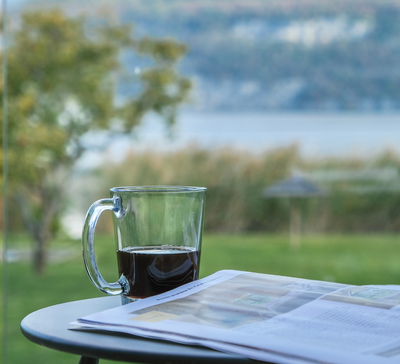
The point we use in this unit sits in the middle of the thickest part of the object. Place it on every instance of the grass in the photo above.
(354, 259)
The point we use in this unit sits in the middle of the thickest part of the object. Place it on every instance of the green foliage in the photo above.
(67, 87)
(62, 79)
(235, 180)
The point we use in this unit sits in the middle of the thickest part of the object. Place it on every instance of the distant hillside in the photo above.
(277, 54)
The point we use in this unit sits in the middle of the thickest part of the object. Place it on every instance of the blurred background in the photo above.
(287, 111)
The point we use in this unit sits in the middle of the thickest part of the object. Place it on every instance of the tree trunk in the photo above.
(39, 231)
(39, 256)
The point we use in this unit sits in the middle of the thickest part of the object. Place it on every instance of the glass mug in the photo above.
(158, 232)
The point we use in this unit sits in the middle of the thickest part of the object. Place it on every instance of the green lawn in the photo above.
(355, 259)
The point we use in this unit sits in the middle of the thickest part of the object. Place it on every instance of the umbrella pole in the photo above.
(295, 225)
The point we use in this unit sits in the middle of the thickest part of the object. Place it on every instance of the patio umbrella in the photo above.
(295, 188)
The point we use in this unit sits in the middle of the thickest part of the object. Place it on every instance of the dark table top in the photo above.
(50, 327)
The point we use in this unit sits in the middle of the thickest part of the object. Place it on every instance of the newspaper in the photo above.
(269, 318)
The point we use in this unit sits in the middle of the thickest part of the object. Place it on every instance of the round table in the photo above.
(50, 327)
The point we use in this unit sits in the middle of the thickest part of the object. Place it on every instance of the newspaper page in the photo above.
(270, 318)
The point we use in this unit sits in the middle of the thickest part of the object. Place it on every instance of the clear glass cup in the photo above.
(158, 232)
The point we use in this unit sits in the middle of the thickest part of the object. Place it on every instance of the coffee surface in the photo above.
(152, 270)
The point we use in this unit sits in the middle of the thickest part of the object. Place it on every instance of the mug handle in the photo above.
(114, 204)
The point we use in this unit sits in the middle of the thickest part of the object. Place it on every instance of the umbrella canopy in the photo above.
(296, 186)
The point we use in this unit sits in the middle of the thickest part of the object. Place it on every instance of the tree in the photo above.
(63, 74)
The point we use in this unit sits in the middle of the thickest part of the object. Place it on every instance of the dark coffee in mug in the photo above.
(152, 270)
(168, 219)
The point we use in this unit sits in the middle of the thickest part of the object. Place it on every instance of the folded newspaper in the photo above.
(269, 318)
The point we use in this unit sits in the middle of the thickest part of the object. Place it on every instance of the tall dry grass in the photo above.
(235, 180)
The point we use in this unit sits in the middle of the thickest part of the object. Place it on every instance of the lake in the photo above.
(317, 133)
